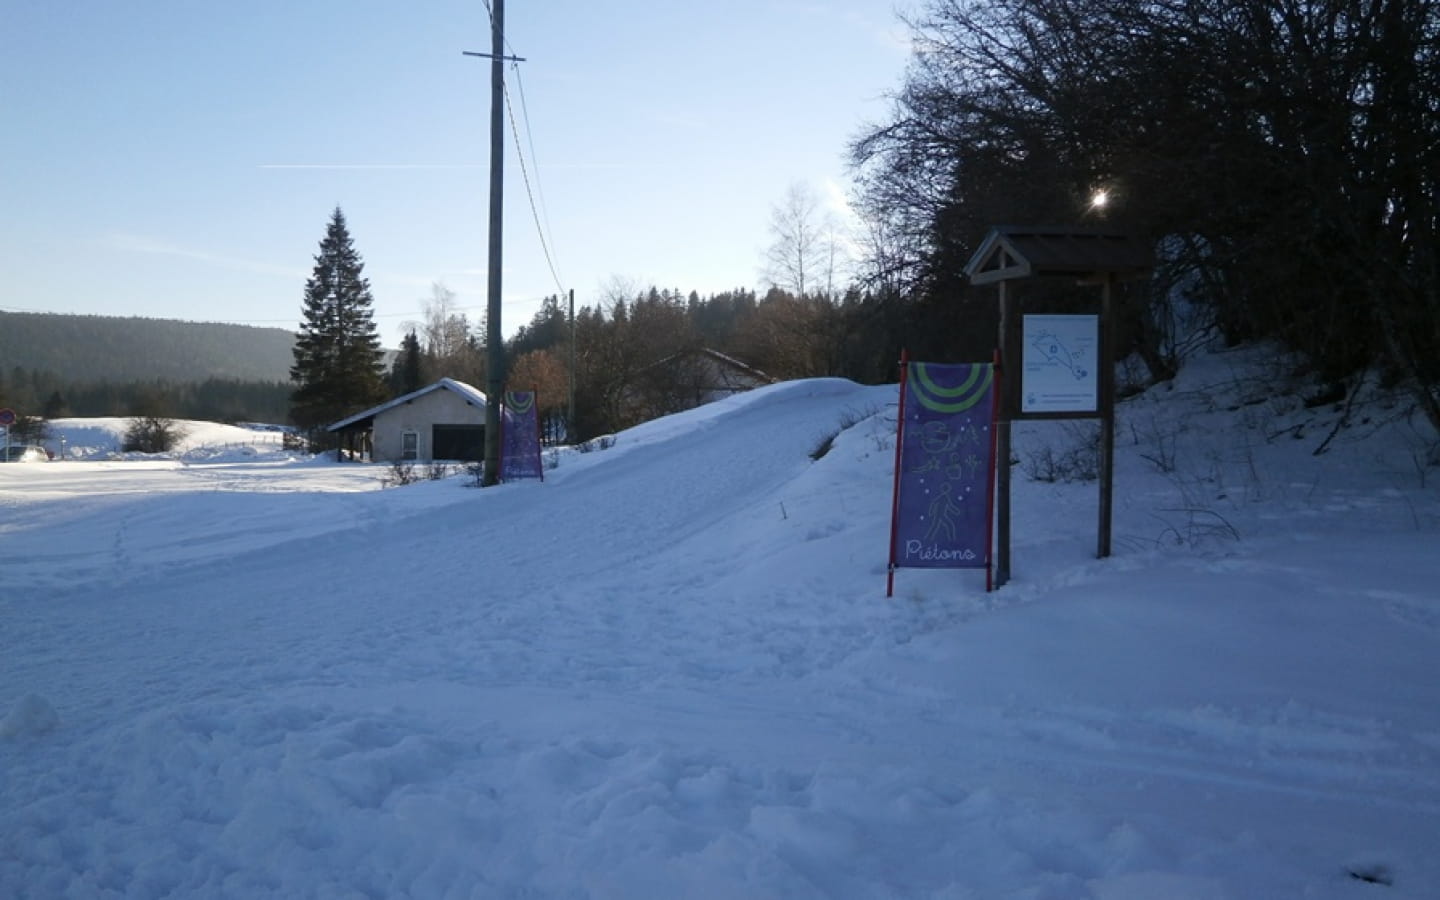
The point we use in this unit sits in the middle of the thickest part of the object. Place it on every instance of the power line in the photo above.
(529, 193)
(541, 228)
(530, 138)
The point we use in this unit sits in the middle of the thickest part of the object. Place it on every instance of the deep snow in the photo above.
(670, 670)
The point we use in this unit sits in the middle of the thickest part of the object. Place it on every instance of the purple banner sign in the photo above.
(520, 437)
(942, 486)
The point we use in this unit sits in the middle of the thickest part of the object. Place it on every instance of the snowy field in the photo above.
(670, 670)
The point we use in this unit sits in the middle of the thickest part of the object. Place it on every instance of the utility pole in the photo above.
(570, 407)
(494, 342)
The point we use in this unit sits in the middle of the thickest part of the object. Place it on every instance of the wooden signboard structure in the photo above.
(1056, 366)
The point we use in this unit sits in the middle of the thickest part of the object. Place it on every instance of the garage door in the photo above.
(463, 442)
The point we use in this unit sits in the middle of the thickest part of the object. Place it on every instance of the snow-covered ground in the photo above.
(670, 670)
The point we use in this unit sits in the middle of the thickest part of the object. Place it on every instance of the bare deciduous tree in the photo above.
(805, 254)
(1288, 148)
(451, 348)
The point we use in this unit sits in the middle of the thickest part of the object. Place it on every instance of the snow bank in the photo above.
(103, 438)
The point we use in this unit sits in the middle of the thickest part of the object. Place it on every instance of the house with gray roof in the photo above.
(441, 421)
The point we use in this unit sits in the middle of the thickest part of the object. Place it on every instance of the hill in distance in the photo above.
(112, 348)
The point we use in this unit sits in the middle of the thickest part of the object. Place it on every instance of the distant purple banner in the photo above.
(520, 437)
(942, 504)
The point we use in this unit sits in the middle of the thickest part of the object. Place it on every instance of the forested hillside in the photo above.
(61, 365)
(105, 348)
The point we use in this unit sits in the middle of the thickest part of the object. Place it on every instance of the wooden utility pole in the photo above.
(570, 407)
(494, 342)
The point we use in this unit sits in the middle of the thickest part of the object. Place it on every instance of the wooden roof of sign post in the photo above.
(1009, 252)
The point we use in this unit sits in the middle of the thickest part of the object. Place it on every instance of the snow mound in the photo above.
(103, 438)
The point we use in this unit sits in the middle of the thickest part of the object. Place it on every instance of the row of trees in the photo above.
(625, 347)
(1284, 155)
(811, 322)
(46, 395)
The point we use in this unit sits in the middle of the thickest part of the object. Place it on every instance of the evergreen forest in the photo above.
(53, 366)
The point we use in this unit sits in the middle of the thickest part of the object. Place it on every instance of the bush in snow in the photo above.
(1079, 461)
(823, 445)
(399, 474)
(151, 434)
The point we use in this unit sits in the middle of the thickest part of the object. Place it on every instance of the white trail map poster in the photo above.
(1059, 360)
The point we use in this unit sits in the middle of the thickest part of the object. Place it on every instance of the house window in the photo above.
(409, 445)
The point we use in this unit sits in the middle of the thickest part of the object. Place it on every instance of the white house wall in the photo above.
(439, 407)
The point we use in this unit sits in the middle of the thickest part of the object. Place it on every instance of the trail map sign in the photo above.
(1065, 364)
(520, 437)
(944, 467)
(1059, 358)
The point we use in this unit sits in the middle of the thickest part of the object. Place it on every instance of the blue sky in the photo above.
(180, 160)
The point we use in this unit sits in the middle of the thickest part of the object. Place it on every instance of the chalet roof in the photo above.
(471, 395)
(1012, 251)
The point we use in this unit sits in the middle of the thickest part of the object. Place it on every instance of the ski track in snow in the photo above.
(669, 671)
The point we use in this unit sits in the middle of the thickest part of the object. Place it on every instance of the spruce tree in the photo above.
(405, 372)
(338, 366)
(55, 406)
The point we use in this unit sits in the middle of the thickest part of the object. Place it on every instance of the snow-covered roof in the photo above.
(472, 395)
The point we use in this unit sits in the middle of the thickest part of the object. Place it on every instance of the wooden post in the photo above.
(1106, 385)
(1002, 450)
(899, 457)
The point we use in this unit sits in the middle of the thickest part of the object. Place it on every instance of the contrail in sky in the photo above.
(372, 166)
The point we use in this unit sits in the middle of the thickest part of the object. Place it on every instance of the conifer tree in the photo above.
(406, 372)
(55, 406)
(338, 366)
